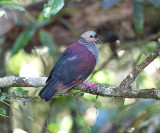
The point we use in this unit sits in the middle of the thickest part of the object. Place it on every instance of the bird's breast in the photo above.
(93, 48)
(84, 51)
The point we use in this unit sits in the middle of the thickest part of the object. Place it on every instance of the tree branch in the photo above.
(12, 81)
(101, 90)
(123, 90)
(132, 76)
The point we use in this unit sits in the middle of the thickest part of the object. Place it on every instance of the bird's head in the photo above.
(90, 36)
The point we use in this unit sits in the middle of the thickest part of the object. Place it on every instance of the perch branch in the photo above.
(101, 90)
(123, 90)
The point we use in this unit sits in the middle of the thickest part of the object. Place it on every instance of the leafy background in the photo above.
(34, 33)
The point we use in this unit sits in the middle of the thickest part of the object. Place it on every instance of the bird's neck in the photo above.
(85, 42)
(90, 46)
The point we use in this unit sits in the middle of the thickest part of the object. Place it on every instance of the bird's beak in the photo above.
(97, 40)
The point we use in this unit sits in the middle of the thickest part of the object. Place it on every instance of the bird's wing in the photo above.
(72, 67)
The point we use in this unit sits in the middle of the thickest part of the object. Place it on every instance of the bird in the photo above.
(74, 66)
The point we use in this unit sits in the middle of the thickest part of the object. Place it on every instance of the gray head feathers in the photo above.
(88, 39)
(89, 34)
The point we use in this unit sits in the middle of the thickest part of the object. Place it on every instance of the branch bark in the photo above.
(101, 90)
(123, 90)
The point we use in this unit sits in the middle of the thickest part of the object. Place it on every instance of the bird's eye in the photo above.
(91, 36)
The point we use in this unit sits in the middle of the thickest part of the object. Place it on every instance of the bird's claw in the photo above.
(90, 84)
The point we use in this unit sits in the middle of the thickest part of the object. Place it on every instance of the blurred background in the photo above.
(34, 33)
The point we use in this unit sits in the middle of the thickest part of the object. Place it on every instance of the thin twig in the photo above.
(6, 116)
(152, 37)
(148, 39)
(132, 76)
(26, 116)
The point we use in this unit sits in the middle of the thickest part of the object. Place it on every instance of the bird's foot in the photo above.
(90, 84)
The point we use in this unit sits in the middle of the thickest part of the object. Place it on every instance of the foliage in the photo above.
(2, 98)
(156, 3)
(11, 5)
(53, 7)
(47, 41)
(2, 111)
(21, 42)
(81, 113)
(138, 17)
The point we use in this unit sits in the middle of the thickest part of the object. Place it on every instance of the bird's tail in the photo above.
(48, 91)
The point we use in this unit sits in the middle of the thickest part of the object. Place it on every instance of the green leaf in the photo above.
(13, 94)
(60, 92)
(47, 41)
(23, 39)
(11, 4)
(25, 92)
(20, 108)
(2, 98)
(69, 10)
(2, 111)
(138, 17)
(19, 90)
(0, 91)
(155, 3)
(41, 17)
(53, 7)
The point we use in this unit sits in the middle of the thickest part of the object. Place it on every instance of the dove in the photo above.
(74, 66)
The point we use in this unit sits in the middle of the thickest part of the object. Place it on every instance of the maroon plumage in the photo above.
(74, 66)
